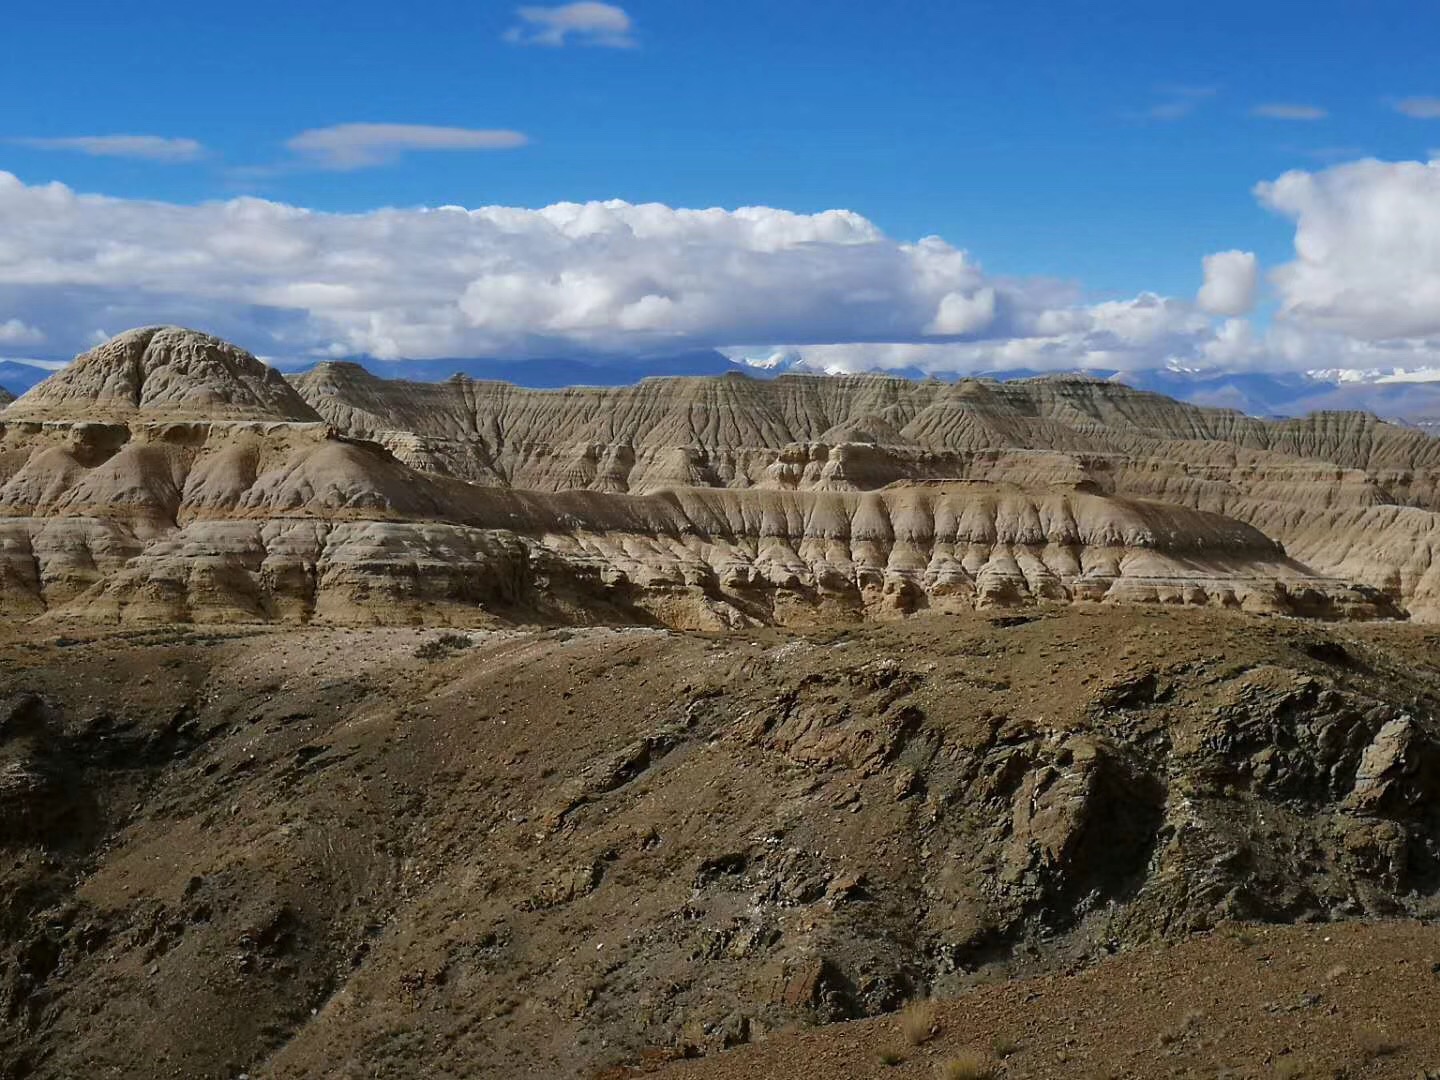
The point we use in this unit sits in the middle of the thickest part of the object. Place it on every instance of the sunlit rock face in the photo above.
(167, 476)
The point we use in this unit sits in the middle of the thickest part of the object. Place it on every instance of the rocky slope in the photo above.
(740, 432)
(162, 373)
(1312, 1001)
(392, 853)
(1350, 495)
(258, 521)
(166, 476)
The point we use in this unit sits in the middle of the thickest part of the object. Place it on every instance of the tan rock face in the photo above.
(226, 521)
(1347, 494)
(738, 432)
(163, 373)
(168, 476)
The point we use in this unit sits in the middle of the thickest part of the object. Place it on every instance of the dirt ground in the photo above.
(1129, 842)
(1342, 1000)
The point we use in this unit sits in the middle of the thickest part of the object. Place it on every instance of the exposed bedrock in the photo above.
(167, 475)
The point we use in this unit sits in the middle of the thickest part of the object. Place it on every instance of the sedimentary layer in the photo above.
(1321, 484)
(163, 372)
(290, 521)
(170, 476)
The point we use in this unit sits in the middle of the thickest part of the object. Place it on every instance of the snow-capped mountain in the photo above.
(1404, 395)
(1410, 396)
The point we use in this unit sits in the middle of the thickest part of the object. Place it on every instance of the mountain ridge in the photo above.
(167, 475)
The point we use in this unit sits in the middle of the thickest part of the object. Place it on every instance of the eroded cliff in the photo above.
(168, 476)
(1349, 495)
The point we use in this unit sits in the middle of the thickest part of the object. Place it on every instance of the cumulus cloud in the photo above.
(613, 278)
(1367, 248)
(1420, 108)
(358, 146)
(1171, 335)
(1282, 111)
(15, 332)
(583, 23)
(1145, 332)
(141, 147)
(592, 278)
(1230, 280)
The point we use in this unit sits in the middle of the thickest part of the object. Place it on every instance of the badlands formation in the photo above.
(167, 476)
(1010, 724)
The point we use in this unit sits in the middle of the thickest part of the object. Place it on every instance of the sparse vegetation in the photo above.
(1375, 1043)
(358, 772)
(919, 1022)
(441, 647)
(968, 1065)
(1004, 1046)
(1289, 1068)
(1188, 1023)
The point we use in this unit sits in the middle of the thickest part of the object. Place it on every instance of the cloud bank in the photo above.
(829, 290)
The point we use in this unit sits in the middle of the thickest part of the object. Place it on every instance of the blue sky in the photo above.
(1109, 145)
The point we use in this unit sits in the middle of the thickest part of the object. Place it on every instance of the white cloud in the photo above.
(1367, 248)
(1118, 335)
(584, 23)
(964, 313)
(1420, 108)
(142, 147)
(617, 278)
(1230, 280)
(1282, 111)
(1170, 334)
(588, 278)
(15, 332)
(357, 146)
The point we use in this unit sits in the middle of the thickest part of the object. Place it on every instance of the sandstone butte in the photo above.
(167, 476)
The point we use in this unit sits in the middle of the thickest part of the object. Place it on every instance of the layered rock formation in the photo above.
(169, 476)
(803, 431)
(163, 373)
(1348, 494)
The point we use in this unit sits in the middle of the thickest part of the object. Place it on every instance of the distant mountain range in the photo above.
(17, 376)
(1405, 396)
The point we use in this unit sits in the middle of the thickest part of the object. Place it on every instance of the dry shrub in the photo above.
(1003, 1046)
(919, 1022)
(1293, 1069)
(968, 1065)
(442, 646)
(1375, 1043)
(1189, 1023)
